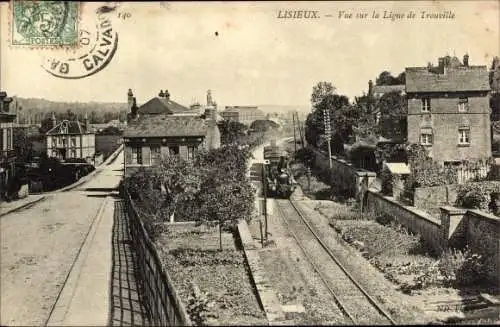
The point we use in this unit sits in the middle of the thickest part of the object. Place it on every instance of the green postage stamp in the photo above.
(44, 23)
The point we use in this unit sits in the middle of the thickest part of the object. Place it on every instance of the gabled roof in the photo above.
(159, 105)
(69, 127)
(164, 125)
(458, 79)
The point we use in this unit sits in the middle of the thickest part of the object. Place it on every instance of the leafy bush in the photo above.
(495, 143)
(477, 195)
(306, 156)
(425, 172)
(461, 268)
(386, 180)
(212, 189)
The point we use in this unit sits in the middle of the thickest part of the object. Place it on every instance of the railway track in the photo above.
(352, 299)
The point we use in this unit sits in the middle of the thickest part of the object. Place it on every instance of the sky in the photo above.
(256, 58)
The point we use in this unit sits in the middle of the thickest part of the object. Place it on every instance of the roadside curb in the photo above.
(63, 302)
(23, 206)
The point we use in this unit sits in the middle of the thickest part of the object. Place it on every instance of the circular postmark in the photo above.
(98, 44)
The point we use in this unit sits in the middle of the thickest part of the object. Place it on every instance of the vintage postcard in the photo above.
(249, 162)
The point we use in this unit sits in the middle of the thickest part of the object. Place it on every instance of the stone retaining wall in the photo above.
(417, 221)
(343, 174)
(479, 231)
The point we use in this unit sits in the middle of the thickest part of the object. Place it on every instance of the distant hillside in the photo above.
(284, 108)
(56, 106)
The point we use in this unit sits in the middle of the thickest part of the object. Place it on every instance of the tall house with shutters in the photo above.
(448, 110)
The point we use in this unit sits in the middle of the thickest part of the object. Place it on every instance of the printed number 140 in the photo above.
(124, 15)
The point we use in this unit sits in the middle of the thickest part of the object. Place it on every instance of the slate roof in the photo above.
(165, 125)
(159, 105)
(382, 89)
(69, 127)
(471, 78)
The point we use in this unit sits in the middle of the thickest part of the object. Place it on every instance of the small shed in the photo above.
(399, 172)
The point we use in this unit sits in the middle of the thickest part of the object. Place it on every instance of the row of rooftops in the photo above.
(450, 75)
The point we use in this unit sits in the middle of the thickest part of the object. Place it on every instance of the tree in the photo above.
(225, 193)
(263, 125)
(223, 201)
(111, 130)
(342, 119)
(46, 125)
(179, 180)
(366, 127)
(23, 148)
(393, 111)
(232, 132)
(228, 161)
(320, 91)
(386, 78)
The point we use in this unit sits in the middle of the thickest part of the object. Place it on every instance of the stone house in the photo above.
(163, 127)
(70, 140)
(448, 110)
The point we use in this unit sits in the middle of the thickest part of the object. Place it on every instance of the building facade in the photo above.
(7, 155)
(70, 140)
(448, 110)
(149, 138)
(158, 131)
(243, 114)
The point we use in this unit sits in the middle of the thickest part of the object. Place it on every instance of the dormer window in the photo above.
(463, 104)
(426, 105)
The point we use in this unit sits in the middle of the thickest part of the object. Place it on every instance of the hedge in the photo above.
(478, 195)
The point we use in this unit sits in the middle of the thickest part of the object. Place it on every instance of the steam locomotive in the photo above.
(279, 180)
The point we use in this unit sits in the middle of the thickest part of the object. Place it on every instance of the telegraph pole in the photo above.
(294, 135)
(264, 190)
(328, 134)
(301, 128)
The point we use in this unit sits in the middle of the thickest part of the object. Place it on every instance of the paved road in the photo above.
(40, 243)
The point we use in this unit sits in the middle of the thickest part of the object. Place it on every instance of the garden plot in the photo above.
(406, 262)
(215, 285)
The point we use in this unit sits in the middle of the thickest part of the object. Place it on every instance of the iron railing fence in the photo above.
(163, 304)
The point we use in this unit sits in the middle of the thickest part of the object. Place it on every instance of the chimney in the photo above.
(130, 97)
(53, 120)
(209, 98)
(134, 108)
(441, 65)
(466, 60)
(167, 95)
(161, 94)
